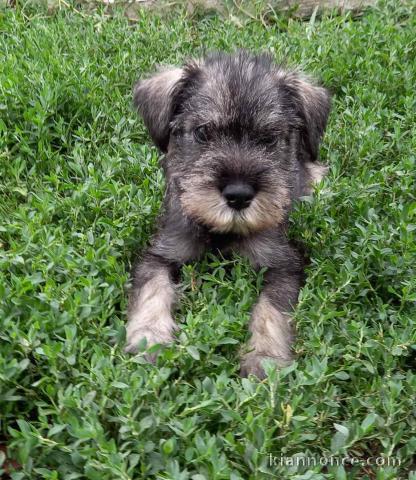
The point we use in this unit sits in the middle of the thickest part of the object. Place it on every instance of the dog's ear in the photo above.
(314, 105)
(154, 99)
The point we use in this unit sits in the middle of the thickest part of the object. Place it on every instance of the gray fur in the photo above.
(229, 118)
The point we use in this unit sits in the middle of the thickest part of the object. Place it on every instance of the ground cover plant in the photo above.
(80, 190)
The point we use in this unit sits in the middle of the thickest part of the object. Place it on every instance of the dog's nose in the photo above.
(238, 195)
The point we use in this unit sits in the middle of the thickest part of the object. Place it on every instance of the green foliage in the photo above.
(80, 190)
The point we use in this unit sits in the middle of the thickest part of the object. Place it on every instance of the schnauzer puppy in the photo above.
(241, 137)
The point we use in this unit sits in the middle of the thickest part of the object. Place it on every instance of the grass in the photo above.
(80, 191)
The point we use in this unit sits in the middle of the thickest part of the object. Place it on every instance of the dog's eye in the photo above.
(270, 141)
(202, 133)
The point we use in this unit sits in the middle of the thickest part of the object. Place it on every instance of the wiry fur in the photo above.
(261, 125)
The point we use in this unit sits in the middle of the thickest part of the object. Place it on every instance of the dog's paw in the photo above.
(252, 364)
(152, 336)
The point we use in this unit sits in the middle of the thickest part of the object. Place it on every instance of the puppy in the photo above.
(241, 137)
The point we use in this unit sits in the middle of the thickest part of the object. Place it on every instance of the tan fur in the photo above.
(271, 337)
(162, 82)
(150, 314)
(316, 172)
(206, 205)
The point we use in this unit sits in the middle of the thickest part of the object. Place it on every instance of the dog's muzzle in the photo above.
(238, 195)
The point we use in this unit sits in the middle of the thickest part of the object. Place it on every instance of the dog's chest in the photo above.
(224, 243)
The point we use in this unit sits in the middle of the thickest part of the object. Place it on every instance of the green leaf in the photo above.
(193, 352)
(169, 446)
(368, 423)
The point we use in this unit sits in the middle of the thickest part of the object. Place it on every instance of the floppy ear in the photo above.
(314, 107)
(154, 99)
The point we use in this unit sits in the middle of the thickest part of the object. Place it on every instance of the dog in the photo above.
(241, 136)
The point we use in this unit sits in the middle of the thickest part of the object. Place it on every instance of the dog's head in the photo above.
(236, 130)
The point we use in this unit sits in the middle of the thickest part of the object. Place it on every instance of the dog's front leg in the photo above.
(153, 293)
(272, 331)
(151, 301)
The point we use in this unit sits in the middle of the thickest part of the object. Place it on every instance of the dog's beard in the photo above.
(204, 203)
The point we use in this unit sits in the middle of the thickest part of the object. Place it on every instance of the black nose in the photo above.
(238, 195)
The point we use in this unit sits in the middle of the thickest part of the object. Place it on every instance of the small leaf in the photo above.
(340, 473)
(24, 426)
(227, 341)
(169, 446)
(119, 385)
(368, 422)
(288, 413)
(342, 429)
(56, 429)
(248, 386)
(193, 352)
(146, 422)
(338, 441)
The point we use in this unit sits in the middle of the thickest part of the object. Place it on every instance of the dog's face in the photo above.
(237, 131)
